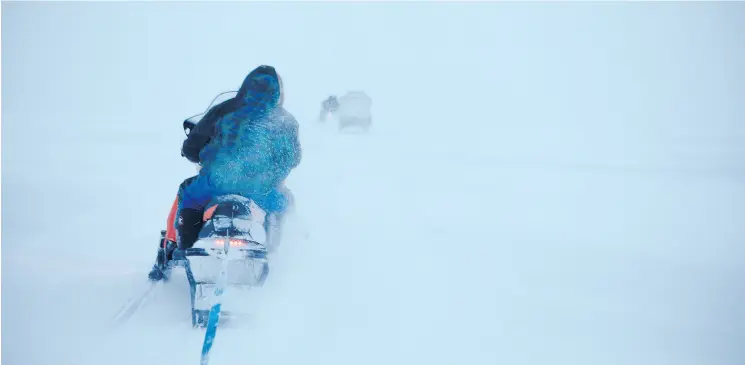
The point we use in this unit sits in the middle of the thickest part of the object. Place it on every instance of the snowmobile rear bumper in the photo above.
(202, 267)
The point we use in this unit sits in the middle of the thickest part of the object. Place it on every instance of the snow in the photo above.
(543, 183)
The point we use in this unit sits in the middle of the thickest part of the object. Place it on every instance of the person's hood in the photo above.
(261, 88)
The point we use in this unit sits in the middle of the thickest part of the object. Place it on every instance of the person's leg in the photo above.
(168, 238)
(171, 234)
(165, 250)
(288, 197)
(193, 199)
(170, 225)
(276, 204)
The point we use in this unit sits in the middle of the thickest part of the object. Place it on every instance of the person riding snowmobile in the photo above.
(330, 105)
(246, 145)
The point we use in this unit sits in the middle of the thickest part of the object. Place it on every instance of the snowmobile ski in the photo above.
(214, 314)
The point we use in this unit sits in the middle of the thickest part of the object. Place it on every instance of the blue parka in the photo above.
(254, 147)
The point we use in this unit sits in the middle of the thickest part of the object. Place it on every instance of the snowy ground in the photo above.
(544, 183)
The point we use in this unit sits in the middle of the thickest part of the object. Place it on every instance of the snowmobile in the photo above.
(233, 244)
(352, 111)
(231, 252)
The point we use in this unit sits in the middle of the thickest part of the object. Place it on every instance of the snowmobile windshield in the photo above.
(355, 104)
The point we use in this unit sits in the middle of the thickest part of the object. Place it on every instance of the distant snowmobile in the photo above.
(329, 106)
(351, 110)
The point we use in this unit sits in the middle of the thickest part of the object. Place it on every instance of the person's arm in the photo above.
(290, 151)
(297, 150)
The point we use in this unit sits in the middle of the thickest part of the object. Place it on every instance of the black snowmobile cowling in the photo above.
(191, 122)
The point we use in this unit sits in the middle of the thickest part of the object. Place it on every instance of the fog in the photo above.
(543, 183)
